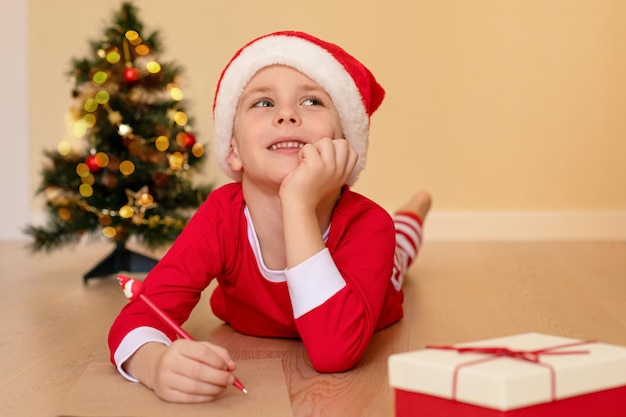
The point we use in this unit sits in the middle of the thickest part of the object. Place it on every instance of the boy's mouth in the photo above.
(286, 145)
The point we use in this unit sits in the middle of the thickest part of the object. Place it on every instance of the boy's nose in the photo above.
(286, 114)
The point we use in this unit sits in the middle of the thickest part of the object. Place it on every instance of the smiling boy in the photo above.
(295, 252)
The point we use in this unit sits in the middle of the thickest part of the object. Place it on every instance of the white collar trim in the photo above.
(272, 275)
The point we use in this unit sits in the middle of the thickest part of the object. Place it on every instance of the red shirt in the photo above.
(354, 295)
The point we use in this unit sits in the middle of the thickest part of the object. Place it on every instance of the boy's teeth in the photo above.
(283, 145)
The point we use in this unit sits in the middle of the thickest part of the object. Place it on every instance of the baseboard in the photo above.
(526, 226)
(501, 226)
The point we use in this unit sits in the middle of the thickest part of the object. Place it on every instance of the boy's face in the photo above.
(280, 110)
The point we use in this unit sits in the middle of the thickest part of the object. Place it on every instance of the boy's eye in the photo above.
(262, 103)
(312, 101)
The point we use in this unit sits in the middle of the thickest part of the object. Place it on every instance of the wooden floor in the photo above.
(52, 326)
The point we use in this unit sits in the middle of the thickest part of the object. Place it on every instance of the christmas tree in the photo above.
(131, 173)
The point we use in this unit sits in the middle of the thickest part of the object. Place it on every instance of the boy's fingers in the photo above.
(326, 150)
(342, 152)
(187, 390)
(200, 378)
(223, 354)
(206, 353)
(345, 157)
(340, 149)
(353, 158)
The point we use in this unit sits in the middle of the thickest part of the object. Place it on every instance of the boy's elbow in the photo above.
(334, 361)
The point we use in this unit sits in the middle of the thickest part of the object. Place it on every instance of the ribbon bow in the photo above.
(495, 352)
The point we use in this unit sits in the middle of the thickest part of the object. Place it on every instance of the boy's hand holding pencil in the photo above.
(185, 371)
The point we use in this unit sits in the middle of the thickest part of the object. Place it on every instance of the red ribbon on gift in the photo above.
(532, 356)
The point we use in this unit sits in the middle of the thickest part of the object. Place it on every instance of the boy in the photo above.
(295, 252)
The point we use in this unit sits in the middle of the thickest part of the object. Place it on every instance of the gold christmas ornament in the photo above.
(85, 190)
(64, 214)
(162, 143)
(180, 118)
(79, 128)
(99, 78)
(153, 67)
(146, 200)
(176, 93)
(64, 147)
(102, 97)
(113, 56)
(82, 170)
(142, 200)
(127, 167)
(88, 179)
(115, 117)
(131, 35)
(102, 159)
(109, 232)
(142, 50)
(90, 105)
(126, 212)
(176, 161)
(89, 120)
(197, 150)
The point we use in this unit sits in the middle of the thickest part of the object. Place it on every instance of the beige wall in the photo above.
(491, 105)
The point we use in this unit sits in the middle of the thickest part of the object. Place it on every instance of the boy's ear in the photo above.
(233, 160)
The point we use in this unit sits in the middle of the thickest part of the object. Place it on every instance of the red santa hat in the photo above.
(355, 92)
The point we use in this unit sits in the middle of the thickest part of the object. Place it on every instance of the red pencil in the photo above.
(134, 289)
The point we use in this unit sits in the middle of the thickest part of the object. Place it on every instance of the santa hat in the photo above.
(355, 92)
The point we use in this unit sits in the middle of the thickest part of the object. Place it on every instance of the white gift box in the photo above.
(510, 373)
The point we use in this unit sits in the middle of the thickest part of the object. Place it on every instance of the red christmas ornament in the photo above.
(185, 140)
(190, 140)
(132, 74)
(91, 163)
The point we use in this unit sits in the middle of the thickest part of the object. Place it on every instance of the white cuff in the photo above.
(313, 282)
(133, 341)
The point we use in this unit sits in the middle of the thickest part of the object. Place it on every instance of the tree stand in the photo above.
(121, 259)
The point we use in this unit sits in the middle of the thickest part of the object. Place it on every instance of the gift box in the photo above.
(526, 375)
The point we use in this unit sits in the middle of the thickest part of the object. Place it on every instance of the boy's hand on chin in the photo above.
(324, 168)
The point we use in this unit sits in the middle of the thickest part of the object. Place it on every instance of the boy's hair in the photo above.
(355, 92)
